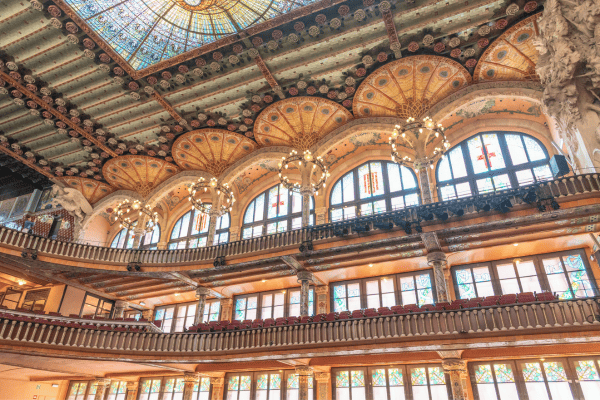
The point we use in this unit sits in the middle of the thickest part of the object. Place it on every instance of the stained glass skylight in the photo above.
(145, 32)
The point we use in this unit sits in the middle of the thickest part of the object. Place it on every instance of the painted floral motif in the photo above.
(586, 371)
(503, 373)
(483, 374)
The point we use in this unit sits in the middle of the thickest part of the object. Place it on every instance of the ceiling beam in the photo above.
(268, 76)
(30, 164)
(161, 100)
(57, 114)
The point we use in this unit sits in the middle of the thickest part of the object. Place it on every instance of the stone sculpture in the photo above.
(73, 201)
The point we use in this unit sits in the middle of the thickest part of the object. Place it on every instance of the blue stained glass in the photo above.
(339, 292)
(145, 32)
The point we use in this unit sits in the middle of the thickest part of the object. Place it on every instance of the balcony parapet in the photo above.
(516, 319)
(542, 195)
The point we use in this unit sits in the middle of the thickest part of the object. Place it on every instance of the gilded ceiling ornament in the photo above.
(530, 7)
(454, 42)
(45, 91)
(359, 15)
(253, 53)
(512, 9)
(164, 84)
(484, 30)
(385, 6)
(12, 66)
(428, 40)
(413, 46)
(321, 19)
(314, 31)
(55, 23)
(89, 54)
(215, 66)
(301, 85)
(118, 80)
(335, 23)
(272, 45)
(183, 69)
(323, 89)
(104, 68)
(197, 72)
(200, 62)
(471, 63)
(277, 34)
(34, 112)
(293, 38)
(179, 78)
(246, 113)
(36, 5)
(367, 60)
(233, 59)
(469, 52)
(104, 58)
(148, 89)
(455, 53)
(501, 24)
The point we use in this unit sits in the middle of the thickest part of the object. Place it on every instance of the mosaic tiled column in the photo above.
(437, 260)
(217, 388)
(304, 373)
(188, 388)
(120, 307)
(459, 377)
(132, 388)
(306, 192)
(424, 183)
(148, 314)
(322, 298)
(226, 309)
(101, 386)
(304, 278)
(322, 379)
(212, 225)
(201, 293)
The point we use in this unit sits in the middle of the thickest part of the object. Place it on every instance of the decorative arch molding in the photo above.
(521, 89)
(162, 190)
(265, 153)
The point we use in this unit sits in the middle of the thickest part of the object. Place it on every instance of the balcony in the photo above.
(543, 196)
(524, 319)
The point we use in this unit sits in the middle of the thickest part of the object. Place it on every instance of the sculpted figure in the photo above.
(74, 203)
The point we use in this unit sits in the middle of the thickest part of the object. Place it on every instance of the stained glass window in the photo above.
(428, 381)
(77, 391)
(191, 231)
(496, 381)
(165, 315)
(473, 282)
(238, 387)
(201, 389)
(589, 379)
(544, 378)
(150, 389)
(268, 386)
(273, 304)
(371, 188)
(173, 389)
(387, 384)
(489, 162)
(212, 309)
(117, 391)
(283, 211)
(145, 32)
(568, 277)
(246, 307)
(416, 288)
(350, 385)
(124, 239)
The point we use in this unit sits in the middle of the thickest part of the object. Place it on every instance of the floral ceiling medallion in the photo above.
(145, 32)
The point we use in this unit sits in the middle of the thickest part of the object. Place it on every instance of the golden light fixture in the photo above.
(124, 208)
(308, 159)
(203, 186)
(403, 135)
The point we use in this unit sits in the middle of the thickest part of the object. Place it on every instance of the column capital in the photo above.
(121, 303)
(202, 291)
(191, 377)
(226, 302)
(307, 190)
(324, 289)
(132, 385)
(322, 376)
(304, 370)
(436, 257)
(454, 364)
(304, 276)
(103, 382)
(217, 381)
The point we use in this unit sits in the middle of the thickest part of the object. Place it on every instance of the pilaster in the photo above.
(120, 307)
(322, 298)
(424, 182)
(304, 278)
(226, 309)
(320, 215)
(459, 377)
(437, 260)
(323, 380)
(101, 386)
(132, 389)
(304, 372)
(201, 293)
(190, 379)
(218, 383)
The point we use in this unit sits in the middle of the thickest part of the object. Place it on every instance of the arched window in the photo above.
(275, 210)
(489, 162)
(373, 187)
(191, 231)
(124, 239)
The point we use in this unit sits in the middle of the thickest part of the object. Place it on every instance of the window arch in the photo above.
(491, 161)
(281, 212)
(124, 239)
(191, 231)
(371, 188)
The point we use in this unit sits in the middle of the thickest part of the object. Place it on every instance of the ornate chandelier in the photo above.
(123, 209)
(203, 186)
(415, 135)
(314, 163)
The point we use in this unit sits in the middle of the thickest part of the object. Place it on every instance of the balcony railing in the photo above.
(522, 319)
(541, 195)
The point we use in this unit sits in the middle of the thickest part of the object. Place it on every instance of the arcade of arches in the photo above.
(468, 276)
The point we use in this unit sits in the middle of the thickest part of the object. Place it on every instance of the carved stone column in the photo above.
(139, 233)
(459, 377)
(101, 386)
(304, 372)
(306, 192)
(190, 380)
(132, 388)
(226, 309)
(162, 245)
(322, 298)
(201, 293)
(212, 225)
(322, 379)
(217, 387)
(437, 260)
(304, 278)
(424, 183)
(234, 234)
(120, 307)
(569, 69)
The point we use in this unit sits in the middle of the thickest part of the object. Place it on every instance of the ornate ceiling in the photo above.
(71, 106)
(138, 173)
